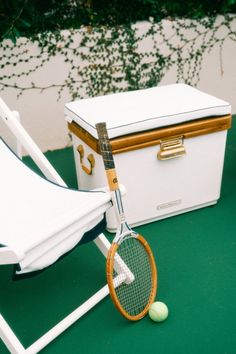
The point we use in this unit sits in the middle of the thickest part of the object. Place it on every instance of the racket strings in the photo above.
(134, 296)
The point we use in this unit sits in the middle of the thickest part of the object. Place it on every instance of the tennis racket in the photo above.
(130, 266)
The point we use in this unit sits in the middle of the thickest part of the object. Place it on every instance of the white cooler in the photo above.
(168, 144)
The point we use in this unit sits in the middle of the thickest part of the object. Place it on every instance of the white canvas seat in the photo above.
(49, 220)
(40, 221)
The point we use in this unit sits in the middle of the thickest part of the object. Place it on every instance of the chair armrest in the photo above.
(8, 256)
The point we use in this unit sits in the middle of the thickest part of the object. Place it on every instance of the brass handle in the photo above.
(171, 148)
(90, 158)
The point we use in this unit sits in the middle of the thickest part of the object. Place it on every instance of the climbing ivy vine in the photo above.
(116, 57)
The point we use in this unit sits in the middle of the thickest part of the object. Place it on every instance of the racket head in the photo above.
(132, 299)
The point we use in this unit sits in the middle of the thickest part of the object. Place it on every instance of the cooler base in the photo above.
(147, 221)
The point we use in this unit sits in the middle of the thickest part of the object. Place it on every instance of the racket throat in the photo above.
(118, 206)
(124, 231)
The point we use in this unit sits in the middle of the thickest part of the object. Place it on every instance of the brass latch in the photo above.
(171, 148)
(90, 158)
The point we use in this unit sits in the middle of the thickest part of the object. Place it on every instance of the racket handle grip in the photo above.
(112, 179)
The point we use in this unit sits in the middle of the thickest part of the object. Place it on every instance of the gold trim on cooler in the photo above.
(155, 136)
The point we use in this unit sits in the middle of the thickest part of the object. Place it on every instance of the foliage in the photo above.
(30, 17)
(103, 49)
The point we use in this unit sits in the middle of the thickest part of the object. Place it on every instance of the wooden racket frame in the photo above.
(110, 280)
(123, 229)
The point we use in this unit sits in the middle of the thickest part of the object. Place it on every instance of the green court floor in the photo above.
(196, 258)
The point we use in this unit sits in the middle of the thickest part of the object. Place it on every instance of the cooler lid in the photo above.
(141, 110)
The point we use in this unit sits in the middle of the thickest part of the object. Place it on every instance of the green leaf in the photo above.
(25, 23)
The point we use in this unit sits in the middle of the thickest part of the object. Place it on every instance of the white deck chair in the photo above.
(49, 220)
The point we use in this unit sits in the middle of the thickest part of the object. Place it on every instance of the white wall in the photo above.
(42, 114)
(212, 81)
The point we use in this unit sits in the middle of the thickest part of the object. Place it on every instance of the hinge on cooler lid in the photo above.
(171, 148)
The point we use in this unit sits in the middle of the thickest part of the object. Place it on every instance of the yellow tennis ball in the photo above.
(158, 311)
